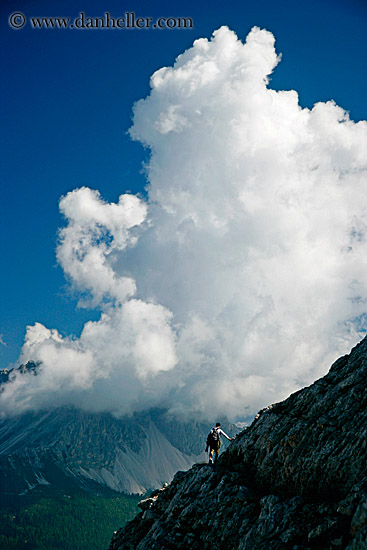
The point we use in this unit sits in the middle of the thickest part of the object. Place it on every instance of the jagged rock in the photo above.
(295, 479)
(146, 503)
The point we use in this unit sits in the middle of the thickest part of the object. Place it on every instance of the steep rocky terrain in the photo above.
(295, 479)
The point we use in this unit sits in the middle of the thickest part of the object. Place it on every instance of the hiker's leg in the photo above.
(217, 451)
(211, 455)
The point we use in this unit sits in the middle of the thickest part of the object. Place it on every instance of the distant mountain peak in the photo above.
(29, 367)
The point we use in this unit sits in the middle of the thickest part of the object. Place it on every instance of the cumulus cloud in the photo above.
(242, 276)
(95, 232)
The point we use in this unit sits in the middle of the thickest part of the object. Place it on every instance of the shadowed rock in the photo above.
(295, 479)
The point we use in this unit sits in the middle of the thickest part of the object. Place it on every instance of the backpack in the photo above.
(213, 436)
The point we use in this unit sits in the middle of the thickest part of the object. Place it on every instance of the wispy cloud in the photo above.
(242, 276)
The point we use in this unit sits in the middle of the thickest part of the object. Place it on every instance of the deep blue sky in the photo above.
(67, 99)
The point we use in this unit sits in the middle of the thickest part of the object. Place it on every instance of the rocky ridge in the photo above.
(295, 479)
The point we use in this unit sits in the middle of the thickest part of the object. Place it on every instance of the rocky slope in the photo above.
(295, 479)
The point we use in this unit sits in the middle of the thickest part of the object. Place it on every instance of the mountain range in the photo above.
(97, 452)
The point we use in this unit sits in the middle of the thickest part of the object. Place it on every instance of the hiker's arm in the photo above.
(225, 435)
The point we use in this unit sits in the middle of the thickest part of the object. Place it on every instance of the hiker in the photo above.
(213, 442)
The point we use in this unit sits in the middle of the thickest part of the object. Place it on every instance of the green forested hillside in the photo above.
(63, 522)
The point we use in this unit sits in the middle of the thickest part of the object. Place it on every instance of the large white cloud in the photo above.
(242, 276)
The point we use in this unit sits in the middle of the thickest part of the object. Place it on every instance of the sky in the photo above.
(206, 243)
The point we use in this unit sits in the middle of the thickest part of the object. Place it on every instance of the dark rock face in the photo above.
(295, 479)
